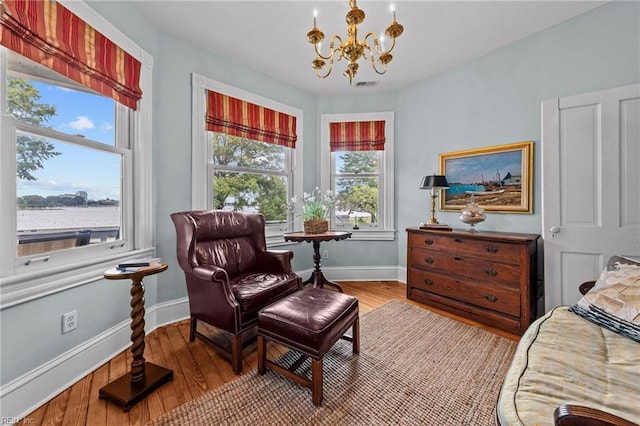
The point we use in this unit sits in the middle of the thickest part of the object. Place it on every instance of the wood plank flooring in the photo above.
(197, 369)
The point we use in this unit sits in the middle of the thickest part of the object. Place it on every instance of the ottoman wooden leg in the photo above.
(262, 354)
(356, 336)
(316, 381)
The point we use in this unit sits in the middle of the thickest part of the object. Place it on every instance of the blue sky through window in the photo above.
(77, 168)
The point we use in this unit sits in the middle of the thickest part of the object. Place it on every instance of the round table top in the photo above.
(324, 236)
(117, 274)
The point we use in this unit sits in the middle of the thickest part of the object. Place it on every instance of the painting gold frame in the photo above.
(498, 178)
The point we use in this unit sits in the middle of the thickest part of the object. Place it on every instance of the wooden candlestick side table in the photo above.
(317, 278)
(144, 377)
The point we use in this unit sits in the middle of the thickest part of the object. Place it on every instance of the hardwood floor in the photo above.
(197, 369)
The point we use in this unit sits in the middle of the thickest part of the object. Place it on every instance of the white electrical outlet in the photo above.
(69, 321)
(325, 254)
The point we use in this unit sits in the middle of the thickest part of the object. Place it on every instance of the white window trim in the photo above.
(20, 287)
(201, 197)
(387, 231)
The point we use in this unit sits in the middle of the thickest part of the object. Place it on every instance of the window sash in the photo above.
(273, 232)
(336, 175)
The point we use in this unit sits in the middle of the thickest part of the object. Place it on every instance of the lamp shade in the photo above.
(434, 181)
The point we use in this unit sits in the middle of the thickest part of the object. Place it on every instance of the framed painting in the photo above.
(497, 178)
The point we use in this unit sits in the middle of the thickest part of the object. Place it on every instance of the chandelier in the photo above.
(353, 48)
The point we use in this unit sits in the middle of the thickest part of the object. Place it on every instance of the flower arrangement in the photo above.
(315, 209)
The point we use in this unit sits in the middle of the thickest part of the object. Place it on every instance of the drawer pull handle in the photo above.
(491, 297)
(427, 281)
(428, 242)
(491, 272)
(457, 258)
(492, 249)
(457, 240)
(428, 260)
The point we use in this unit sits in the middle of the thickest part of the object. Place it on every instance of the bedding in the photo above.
(614, 301)
(564, 359)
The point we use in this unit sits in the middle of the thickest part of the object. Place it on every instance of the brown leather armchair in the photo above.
(230, 276)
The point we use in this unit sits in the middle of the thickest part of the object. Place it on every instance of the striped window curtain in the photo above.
(357, 136)
(226, 114)
(48, 33)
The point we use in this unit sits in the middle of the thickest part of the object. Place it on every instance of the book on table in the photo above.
(135, 264)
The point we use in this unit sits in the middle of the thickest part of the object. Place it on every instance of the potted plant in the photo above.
(314, 209)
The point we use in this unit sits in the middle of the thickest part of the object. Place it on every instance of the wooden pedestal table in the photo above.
(317, 278)
(144, 377)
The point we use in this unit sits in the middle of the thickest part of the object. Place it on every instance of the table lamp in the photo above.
(434, 182)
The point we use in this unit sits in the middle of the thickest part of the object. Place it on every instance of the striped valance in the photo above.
(357, 136)
(226, 114)
(48, 33)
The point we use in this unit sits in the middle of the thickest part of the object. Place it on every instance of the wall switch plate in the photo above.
(325, 254)
(69, 321)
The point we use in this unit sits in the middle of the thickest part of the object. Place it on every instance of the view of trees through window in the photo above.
(356, 185)
(250, 176)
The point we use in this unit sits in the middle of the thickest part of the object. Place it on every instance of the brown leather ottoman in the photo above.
(308, 321)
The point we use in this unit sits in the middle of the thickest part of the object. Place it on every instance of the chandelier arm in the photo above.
(373, 64)
(332, 50)
(329, 69)
(393, 44)
(375, 42)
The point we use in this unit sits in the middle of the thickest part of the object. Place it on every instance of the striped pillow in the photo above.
(614, 301)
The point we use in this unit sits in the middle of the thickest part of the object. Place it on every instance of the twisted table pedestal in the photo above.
(144, 377)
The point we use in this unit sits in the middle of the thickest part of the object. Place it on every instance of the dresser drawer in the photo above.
(504, 252)
(495, 298)
(479, 269)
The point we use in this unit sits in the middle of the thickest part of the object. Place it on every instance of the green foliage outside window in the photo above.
(249, 185)
(358, 193)
(31, 152)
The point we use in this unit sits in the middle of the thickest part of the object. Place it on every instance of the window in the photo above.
(242, 174)
(67, 175)
(362, 180)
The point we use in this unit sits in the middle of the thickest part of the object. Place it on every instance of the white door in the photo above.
(591, 187)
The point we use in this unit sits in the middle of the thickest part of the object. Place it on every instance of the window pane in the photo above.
(66, 110)
(71, 199)
(357, 201)
(252, 193)
(356, 161)
(234, 151)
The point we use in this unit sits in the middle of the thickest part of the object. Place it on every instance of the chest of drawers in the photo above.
(488, 277)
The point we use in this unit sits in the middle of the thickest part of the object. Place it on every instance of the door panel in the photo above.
(591, 186)
(630, 164)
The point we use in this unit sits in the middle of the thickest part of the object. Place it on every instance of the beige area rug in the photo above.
(415, 367)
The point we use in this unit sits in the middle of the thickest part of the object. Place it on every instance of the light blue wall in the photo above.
(493, 100)
(496, 100)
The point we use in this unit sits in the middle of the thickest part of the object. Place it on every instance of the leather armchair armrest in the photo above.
(586, 286)
(570, 415)
(275, 260)
(211, 273)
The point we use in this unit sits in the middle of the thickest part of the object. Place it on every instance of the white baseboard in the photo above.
(29, 391)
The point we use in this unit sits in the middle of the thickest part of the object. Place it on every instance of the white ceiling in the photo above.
(270, 36)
